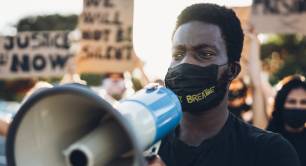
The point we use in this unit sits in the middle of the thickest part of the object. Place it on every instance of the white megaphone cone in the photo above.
(71, 125)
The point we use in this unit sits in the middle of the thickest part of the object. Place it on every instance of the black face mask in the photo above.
(234, 94)
(295, 118)
(238, 110)
(197, 87)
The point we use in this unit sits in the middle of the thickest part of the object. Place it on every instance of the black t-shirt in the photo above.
(298, 140)
(237, 144)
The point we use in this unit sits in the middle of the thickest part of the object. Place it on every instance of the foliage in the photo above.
(284, 55)
(47, 22)
(92, 79)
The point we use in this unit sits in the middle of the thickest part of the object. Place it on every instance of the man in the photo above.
(207, 44)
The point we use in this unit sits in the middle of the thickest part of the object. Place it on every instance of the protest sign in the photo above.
(279, 16)
(34, 54)
(106, 44)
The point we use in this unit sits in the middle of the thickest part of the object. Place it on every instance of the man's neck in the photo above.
(195, 128)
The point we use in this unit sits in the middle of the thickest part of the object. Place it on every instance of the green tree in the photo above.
(284, 55)
(47, 23)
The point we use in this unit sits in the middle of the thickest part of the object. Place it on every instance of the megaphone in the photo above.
(70, 125)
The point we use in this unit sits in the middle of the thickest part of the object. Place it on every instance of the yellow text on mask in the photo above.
(180, 98)
(200, 96)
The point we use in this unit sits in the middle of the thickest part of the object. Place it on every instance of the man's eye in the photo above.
(178, 55)
(206, 54)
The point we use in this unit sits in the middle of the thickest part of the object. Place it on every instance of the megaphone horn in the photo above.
(71, 125)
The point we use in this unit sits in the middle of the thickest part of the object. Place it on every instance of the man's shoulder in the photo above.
(268, 147)
(251, 132)
(256, 136)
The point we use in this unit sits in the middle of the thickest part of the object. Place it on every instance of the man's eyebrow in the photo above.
(205, 46)
(180, 47)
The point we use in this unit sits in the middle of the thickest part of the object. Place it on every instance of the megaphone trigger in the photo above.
(152, 151)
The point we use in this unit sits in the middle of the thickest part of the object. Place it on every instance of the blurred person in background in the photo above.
(159, 81)
(281, 109)
(289, 114)
(7, 110)
(114, 85)
(38, 86)
(71, 76)
(4, 124)
(3, 127)
(237, 100)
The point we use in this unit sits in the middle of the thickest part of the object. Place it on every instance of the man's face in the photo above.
(200, 44)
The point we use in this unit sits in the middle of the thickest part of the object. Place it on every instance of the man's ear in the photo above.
(234, 69)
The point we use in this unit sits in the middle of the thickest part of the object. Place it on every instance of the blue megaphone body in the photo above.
(159, 110)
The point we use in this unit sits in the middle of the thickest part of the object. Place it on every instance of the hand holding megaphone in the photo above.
(71, 125)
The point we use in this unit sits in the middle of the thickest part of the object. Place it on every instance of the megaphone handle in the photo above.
(153, 150)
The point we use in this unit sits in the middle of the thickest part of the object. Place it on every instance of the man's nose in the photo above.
(189, 58)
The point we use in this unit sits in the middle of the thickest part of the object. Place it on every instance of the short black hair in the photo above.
(287, 84)
(222, 17)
